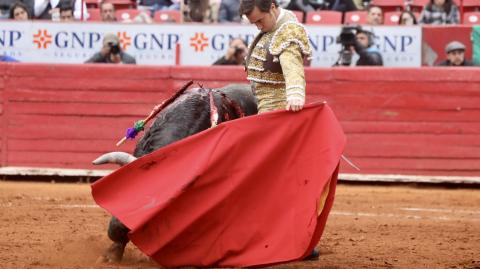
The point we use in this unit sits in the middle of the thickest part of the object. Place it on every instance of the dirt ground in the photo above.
(46, 225)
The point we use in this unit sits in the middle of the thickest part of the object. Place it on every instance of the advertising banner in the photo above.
(199, 44)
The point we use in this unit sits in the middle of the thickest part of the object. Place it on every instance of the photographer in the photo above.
(365, 48)
(111, 52)
(362, 42)
(235, 54)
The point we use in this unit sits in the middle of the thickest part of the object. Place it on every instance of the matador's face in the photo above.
(265, 21)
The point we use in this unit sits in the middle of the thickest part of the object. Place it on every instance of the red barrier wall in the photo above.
(398, 121)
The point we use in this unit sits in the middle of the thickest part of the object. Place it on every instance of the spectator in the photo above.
(198, 10)
(374, 15)
(407, 18)
(301, 5)
(154, 5)
(440, 12)
(20, 12)
(50, 9)
(455, 55)
(365, 48)
(111, 52)
(107, 12)
(342, 5)
(229, 11)
(235, 54)
(66, 12)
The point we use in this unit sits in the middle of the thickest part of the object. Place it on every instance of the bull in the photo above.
(190, 113)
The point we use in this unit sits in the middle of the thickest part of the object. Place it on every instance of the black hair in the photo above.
(447, 6)
(64, 6)
(19, 5)
(247, 6)
(106, 2)
(370, 35)
(409, 13)
(370, 7)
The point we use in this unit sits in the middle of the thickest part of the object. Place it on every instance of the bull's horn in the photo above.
(120, 158)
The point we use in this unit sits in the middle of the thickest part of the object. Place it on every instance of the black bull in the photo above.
(188, 114)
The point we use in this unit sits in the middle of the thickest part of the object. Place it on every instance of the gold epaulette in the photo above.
(290, 32)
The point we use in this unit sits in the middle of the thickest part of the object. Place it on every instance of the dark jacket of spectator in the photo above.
(448, 63)
(369, 57)
(301, 5)
(224, 61)
(228, 11)
(341, 5)
(42, 8)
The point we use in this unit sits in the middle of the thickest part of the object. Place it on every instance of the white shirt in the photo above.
(41, 5)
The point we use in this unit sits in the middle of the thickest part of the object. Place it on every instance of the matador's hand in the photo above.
(295, 105)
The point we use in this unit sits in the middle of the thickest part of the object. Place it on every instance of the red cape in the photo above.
(241, 194)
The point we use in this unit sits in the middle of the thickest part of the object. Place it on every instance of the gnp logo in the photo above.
(125, 40)
(42, 39)
(199, 42)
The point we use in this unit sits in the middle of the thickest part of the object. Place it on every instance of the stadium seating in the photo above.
(471, 5)
(391, 18)
(324, 17)
(471, 18)
(94, 14)
(417, 5)
(389, 5)
(126, 14)
(167, 16)
(355, 17)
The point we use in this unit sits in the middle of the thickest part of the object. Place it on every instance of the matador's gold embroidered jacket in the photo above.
(275, 63)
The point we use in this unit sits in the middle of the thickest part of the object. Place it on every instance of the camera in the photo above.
(347, 35)
(238, 51)
(114, 48)
(347, 39)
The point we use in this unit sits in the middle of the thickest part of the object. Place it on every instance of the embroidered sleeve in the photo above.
(288, 33)
(291, 61)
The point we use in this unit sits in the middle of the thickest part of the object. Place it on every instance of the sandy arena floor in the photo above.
(45, 225)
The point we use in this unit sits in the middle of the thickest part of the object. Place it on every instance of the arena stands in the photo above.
(389, 5)
(127, 10)
(324, 17)
(355, 17)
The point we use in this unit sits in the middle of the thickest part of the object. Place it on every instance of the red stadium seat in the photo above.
(324, 17)
(355, 17)
(94, 14)
(471, 18)
(126, 14)
(391, 18)
(471, 5)
(167, 16)
(389, 5)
